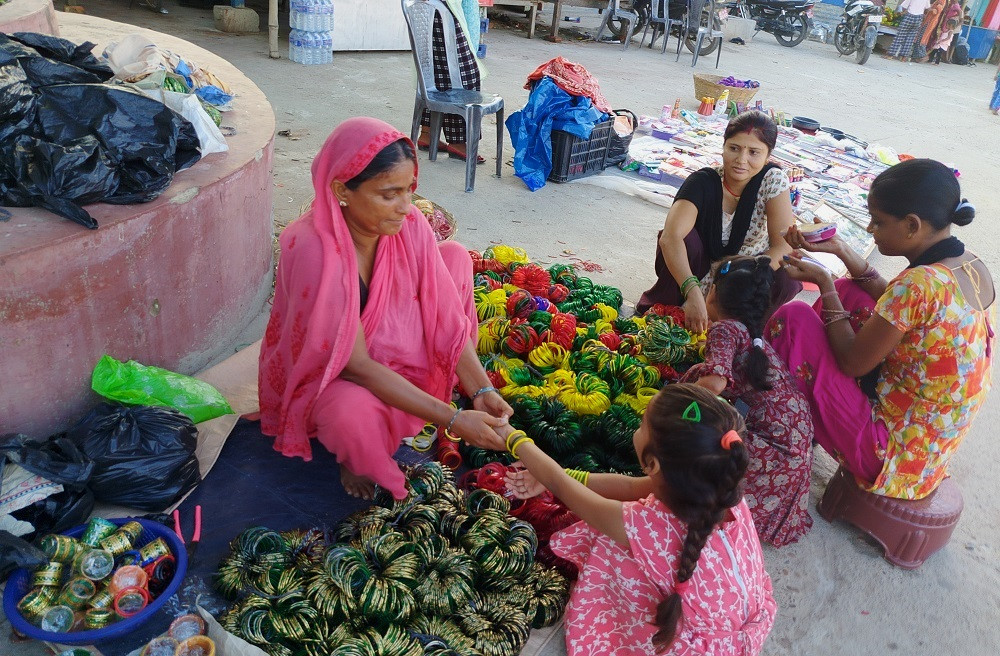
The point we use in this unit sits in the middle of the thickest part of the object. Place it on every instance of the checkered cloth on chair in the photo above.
(453, 125)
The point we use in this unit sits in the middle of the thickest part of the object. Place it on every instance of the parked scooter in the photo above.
(858, 29)
(787, 20)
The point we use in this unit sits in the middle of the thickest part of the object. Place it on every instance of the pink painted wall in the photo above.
(169, 283)
(29, 16)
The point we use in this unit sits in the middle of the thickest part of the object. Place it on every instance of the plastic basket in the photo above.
(706, 85)
(573, 157)
(19, 584)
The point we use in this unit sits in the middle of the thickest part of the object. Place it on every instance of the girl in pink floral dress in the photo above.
(669, 563)
(741, 366)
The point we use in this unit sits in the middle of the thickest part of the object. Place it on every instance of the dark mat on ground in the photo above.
(250, 485)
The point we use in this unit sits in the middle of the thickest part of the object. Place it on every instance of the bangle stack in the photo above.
(833, 316)
(869, 275)
(578, 475)
(689, 283)
(484, 390)
(516, 439)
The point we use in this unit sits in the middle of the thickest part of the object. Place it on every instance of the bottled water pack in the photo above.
(311, 39)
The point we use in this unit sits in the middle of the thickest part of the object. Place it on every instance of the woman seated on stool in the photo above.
(927, 342)
(373, 322)
(742, 208)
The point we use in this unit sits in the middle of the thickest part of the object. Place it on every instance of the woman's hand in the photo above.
(476, 428)
(695, 312)
(522, 484)
(793, 236)
(493, 404)
(804, 270)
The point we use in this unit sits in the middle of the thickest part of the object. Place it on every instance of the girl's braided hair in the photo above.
(701, 479)
(743, 291)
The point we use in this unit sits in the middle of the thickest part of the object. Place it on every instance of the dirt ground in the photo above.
(835, 593)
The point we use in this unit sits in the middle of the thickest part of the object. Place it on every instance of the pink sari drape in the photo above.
(416, 320)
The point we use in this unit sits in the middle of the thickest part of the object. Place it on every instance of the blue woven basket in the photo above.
(19, 584)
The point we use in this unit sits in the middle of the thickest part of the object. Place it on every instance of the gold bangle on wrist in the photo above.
(514, 435)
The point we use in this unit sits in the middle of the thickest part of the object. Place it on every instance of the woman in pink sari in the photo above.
(373, 322)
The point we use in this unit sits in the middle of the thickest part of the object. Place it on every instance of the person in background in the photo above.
(373, 322)
(995, 100)
(908, 30)
(669, 563)
(926, 347)
(943, 41)
(740, 208)
(465, 13)
(741, 367)
(932, 21)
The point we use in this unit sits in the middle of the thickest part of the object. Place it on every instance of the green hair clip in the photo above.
(692, 413)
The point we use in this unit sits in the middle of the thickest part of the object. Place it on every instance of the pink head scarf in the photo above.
(315, 316)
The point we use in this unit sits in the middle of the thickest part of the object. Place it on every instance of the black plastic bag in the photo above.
(15, 552)
(60, 461)
(74, 140)
(618, 146)
(144, 456)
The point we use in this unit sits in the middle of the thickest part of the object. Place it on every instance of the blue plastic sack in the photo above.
(213, 95)
(549, 108)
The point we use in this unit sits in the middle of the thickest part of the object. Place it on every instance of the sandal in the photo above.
(455, 153)
(426, 145)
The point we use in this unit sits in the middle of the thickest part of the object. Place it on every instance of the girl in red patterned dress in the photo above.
(668, 563)
(740, 366)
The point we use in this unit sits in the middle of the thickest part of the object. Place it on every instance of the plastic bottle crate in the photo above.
(573, 157)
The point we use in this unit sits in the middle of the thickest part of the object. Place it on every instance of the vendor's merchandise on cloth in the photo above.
(439, 572)
(577, 374)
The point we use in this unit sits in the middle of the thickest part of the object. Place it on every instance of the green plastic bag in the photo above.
(137, 384)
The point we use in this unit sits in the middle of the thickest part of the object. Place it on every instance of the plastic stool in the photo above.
(910, 531)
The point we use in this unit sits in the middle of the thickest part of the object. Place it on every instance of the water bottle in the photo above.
(310, 46)
(294, 15)
(327, 47)
(326, 15)
(295, 46)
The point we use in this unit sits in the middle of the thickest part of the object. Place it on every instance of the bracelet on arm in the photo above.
(484, 390)
(519, 442)
(689, 283)
(452, 422)
(514, 436)
(834, 294)
(578, 475)
(835, 317)
(869, 275)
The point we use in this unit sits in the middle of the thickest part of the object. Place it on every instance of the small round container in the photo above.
(98, 618)
(186, 626)
(58, 619)
(807, 125)
(196, 646)
(97, 529)
(153, 550)
(131, 601)
(817, 232)
(103, 598)
(34, 604)
(49, 574)
(162, 646)
(130, 576)
(77, 593)
(61, 548)
(97, 564)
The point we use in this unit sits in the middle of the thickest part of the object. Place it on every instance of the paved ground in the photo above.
(836, 595)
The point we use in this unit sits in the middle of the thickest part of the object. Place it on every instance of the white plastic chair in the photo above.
(472, 105)
(614, 10)
(695, 19)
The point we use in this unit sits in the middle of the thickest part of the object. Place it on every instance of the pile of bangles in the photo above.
(443, 571)
(577, 373)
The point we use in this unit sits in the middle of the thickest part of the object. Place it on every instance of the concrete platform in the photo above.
(170, 283)
(29, 16)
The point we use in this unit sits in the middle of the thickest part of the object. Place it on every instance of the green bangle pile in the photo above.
(441, 572)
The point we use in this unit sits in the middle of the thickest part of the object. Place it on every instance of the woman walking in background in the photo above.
(995, 100)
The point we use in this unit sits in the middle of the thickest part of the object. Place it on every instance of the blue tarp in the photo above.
(549, 108)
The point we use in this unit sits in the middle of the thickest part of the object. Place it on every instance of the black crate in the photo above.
(573, 157)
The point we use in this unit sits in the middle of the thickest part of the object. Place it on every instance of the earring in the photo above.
(343, 203)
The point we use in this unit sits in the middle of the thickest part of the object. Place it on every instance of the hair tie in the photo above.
(730, 438)
(682, 587)
(724, 269)
(963, 205)
(758, 342)
(692, 413)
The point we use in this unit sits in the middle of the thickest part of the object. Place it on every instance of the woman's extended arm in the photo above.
(471, 425)
(856, 353)
(779, 219)
(680, 221)
(473, 378)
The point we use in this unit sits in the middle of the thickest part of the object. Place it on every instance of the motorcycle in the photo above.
(643, 9)
(787, 20)
(858, 29)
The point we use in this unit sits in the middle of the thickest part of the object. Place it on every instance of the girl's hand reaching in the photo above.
(494, 404)
(522, 484)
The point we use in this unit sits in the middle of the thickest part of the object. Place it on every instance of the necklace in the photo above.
(736, 196)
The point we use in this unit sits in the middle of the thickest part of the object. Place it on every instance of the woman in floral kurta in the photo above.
(779, 428)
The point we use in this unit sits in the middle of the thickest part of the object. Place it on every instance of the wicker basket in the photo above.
(442, 222)
(708, 86)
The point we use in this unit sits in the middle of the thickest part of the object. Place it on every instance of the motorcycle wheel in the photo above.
(843, 40)
(791, 30)
(708, 44)
(865, 51)
(616, 26)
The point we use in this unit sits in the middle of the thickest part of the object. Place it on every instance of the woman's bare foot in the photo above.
(360, 487)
